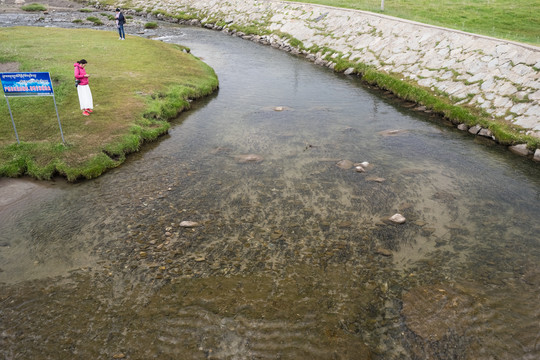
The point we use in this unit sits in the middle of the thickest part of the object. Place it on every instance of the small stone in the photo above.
(486, 133)
(345, 224)
(520, 149)
(376, 179)
(200, 259)
(397, 218)
(475, 129)
(359, 169)
(345, 164)
(248, 158)
(536, 155)
(189, 224)
(463, 127)
(143, 254)
(392, 132)
(119, 356)
(278, 108)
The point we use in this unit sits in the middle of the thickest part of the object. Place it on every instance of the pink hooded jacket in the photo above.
(79, 74)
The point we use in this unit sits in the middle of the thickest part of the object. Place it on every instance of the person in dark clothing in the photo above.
(120, 21)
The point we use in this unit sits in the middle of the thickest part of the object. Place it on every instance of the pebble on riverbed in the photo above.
(345, 164)
(392, 132)
(398, 219)
(189, 224)
(361, 167)
(383, 252)
(249, 158)
(376, 179)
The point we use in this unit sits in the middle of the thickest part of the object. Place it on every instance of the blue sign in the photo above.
(26, 83)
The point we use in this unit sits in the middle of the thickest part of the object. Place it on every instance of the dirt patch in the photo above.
(9, 67)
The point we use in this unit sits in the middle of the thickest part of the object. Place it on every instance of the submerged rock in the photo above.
(392, 132)
(345, 164)
(246, 158)
(433, 311)
(383, 252)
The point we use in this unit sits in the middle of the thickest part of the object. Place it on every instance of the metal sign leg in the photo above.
(13, 122)
(58, 116)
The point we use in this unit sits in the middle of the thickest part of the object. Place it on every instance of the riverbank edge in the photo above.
(473, 119)
(152, 123)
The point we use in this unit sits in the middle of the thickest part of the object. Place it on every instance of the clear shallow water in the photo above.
(290, 258)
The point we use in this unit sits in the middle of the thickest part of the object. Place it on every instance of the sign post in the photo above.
(20, 84)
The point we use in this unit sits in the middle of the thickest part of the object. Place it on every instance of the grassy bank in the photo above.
(137, 85)
(517, 20)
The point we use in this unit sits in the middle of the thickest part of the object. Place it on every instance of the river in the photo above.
(291, 253)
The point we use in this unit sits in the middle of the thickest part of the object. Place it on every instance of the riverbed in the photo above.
(258, 228)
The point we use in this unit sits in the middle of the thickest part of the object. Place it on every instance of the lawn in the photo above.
(137, 85)
(516, 20)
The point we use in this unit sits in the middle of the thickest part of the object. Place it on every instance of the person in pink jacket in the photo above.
(83, 89)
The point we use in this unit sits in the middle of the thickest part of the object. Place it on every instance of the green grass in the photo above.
(94, 20)
(517, 20)
(108, 16)
(150, 25)
(137, 85)
(34, 7)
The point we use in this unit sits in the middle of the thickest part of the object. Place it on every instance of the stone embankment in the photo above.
(502, 78)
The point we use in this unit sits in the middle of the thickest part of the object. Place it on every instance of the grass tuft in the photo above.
(94, 20)
(34, 7)
(150, 25)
